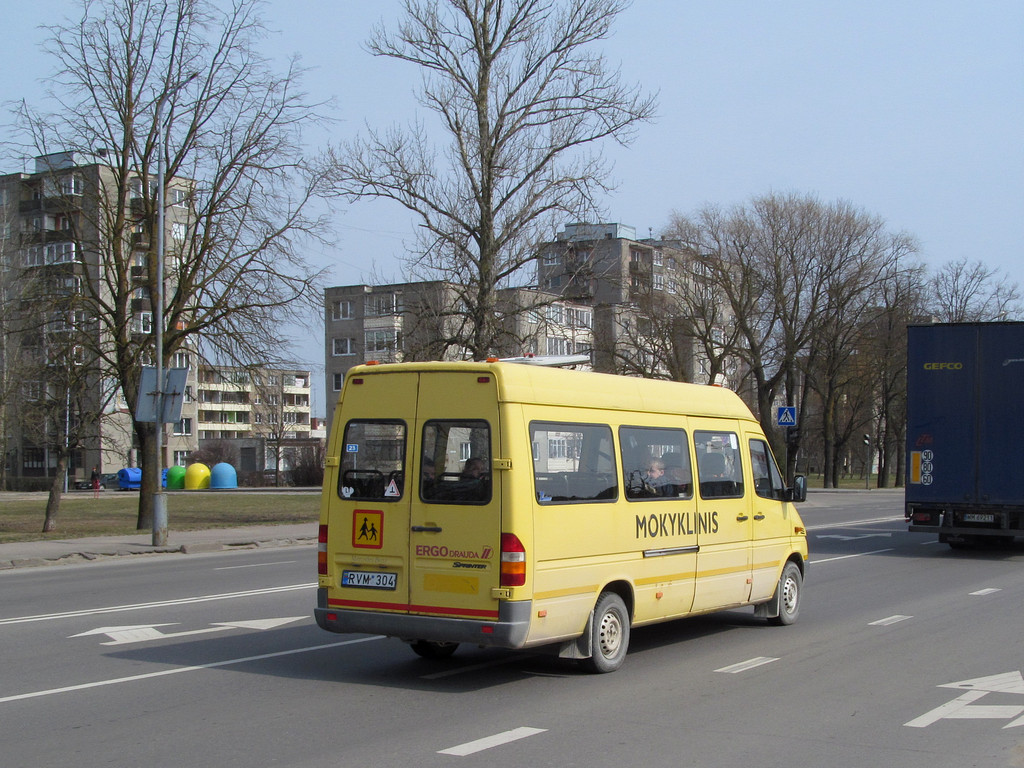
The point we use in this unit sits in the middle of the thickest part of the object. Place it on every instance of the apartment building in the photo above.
(52, 220)
(52, 275)
(411, 321)
(636, 290)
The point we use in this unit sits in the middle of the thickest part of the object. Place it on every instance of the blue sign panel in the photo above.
(785, 416)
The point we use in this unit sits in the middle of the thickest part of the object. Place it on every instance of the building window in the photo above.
(382, 342)
(33, 256)
(179, 231)
(341, 310)
(339, 379)
(555, 314)
(71, 185)
(558, 346)
(659, 259)
(183, 427)
(344, 347)
(381, 304)
(142, 323)
(181, 360)
(60, 253)
(181, 458)
(659, 282)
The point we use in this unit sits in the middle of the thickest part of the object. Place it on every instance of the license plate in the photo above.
(975, 517)
(369, 579)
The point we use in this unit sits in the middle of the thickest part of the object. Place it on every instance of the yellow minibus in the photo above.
(516, 506)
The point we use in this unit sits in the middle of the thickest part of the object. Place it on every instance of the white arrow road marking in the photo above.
(489, 742)
(141, 633)
(983, 592)
(962, 707)
(853, 538)
(1010, 682)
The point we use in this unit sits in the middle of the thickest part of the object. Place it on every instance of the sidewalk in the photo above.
(62, 551)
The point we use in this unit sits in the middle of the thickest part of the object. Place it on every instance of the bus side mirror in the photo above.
(799, 490)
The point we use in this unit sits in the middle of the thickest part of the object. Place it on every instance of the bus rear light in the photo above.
(321, 551)
(513, 561)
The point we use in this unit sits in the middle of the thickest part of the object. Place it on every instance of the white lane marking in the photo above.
(179, 670)
(158, 604)
(490, 742)
(855, 523)
(847, 557)
(254, 565)
(743, 666)
(890, 620)
(989, 591)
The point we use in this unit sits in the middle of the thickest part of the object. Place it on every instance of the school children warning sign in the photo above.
(367, 528)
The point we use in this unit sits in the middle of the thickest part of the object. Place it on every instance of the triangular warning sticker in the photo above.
(392, 490)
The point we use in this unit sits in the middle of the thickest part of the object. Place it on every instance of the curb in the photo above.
(193, 548)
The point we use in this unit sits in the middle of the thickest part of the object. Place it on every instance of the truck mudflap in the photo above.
(509, 631)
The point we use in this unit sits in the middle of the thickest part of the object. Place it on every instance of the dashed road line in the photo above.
(497, 740)
(743, 666)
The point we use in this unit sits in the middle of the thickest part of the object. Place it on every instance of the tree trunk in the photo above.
(53, 500)
(146, 434)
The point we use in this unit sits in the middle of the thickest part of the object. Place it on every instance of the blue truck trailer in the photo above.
(965, 431)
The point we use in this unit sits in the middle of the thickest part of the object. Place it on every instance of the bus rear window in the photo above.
(455, 462)
(372, 461)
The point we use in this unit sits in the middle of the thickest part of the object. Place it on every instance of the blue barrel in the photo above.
(129, 479)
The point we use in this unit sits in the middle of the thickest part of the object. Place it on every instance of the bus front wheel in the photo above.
(789, 587)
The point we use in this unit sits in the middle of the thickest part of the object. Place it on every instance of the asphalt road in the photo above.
(906, 654)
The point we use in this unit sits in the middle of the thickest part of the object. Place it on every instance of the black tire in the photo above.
(609, 634)
(431, 650)
(790, 584)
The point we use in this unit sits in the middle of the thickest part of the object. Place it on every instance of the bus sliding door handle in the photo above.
(742, 518)
(759, 517)
(426, 529)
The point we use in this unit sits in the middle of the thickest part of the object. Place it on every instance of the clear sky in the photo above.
(912, 110)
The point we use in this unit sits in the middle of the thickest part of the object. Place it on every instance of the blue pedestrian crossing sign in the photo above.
(785, 416)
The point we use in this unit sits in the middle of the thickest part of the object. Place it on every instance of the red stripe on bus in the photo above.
(431, 609)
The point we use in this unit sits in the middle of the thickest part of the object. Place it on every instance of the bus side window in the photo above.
(573, 463)
(655, 463)
(718, 464)
(767, 478)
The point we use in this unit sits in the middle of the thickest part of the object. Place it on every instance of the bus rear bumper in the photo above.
(508, 631)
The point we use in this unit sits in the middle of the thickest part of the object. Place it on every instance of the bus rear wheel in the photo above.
(609, 634)
(431, 650)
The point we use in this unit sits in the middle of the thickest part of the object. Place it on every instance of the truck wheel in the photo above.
(431, 650)
(609, 634)
(788, 590)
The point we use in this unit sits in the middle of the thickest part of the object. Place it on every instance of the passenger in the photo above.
(474, 469)
(677, 479)
(655, 476)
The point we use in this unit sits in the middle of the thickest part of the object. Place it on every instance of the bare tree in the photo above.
(237, 186)
(522, 100)
(784, 266)
(963, 291)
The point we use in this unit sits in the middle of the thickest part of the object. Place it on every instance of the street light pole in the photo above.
(159, 498)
